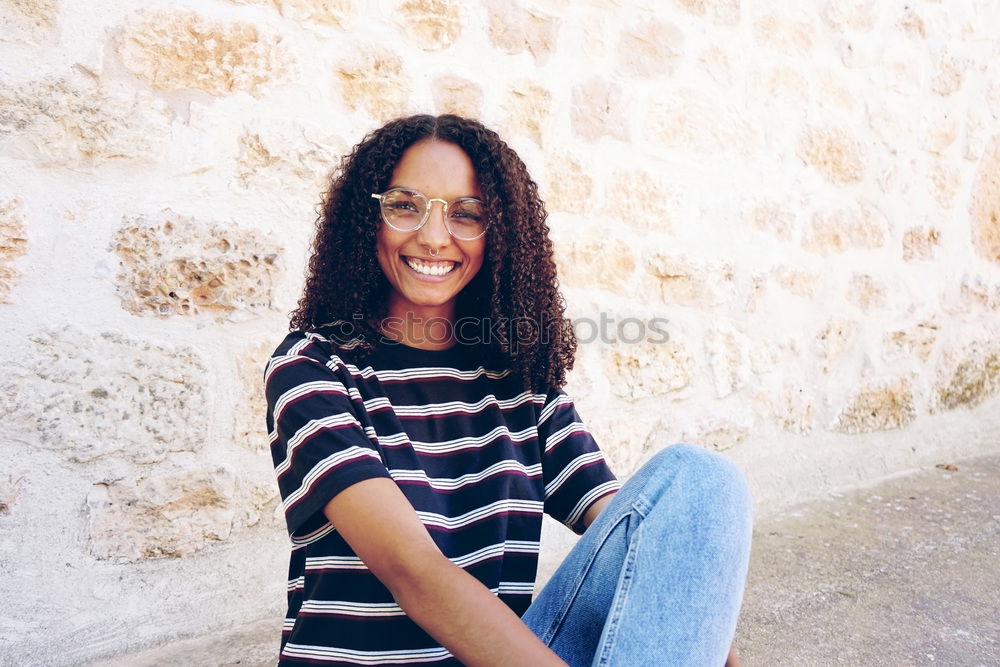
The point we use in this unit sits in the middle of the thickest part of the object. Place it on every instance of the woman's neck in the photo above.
(430, 328)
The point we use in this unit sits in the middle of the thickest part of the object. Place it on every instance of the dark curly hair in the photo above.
(515, 291)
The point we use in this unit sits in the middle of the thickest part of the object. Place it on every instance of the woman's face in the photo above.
(427, 268)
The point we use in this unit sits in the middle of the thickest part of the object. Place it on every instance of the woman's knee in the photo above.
(705, 476)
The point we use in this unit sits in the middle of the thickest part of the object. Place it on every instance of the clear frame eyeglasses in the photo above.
(407, 210)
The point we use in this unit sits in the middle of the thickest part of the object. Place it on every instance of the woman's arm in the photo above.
(382, 528)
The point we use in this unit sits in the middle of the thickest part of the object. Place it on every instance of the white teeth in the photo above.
(429, 268)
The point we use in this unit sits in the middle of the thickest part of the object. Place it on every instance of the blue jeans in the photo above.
(658, 578)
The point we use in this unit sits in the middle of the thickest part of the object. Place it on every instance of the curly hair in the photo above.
(515, 291)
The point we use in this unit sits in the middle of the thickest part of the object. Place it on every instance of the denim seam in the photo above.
(613, 621)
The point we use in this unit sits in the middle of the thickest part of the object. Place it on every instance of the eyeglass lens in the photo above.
(406, 210)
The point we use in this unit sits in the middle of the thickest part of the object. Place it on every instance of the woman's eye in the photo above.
(403, 206)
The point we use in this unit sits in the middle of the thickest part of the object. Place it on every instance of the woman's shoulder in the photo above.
(322, 343)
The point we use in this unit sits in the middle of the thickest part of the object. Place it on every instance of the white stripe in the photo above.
(547, 411)
(318, 386)
(433, 409)
(449, 446)
(463, 561)
(568, 471)
(318, 534)
(366, 657)
(345, 608)
(335, 563)
(562, 434)
(508, 505)
(311, 428)
(296, 584)
(320, 468)
(432, 372)
(452, 484)
(586, 501)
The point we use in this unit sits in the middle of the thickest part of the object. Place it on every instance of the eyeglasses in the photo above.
(407, 210)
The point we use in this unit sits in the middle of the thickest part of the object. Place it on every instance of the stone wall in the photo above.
(804, 202)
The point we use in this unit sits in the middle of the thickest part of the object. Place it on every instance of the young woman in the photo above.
(419, 430)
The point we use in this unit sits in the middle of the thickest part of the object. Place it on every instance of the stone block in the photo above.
(528, 108)
(720, 12)
(13, 244)
(106, 396)
(457, 95)
(626, 437)
(175, 265)
(916, 341)
(719, 433)
(649, 369)
(728, 354)
(179, 49)
(945, 181)
(792, 410)
(967, 376)
(372, 78)
(796, 281)
(323, 12)
(249, 427)
(594, 260)
(599, 110)
(171, 512)
(651, 48)
(919, 243)
(984, 206)
(834, 338)
(515, 29)
(686, 282)
(866, 292)
(79, 122)
(641, 199)
(285, 157)
(568, 187)
(792, 38)
(859, 15)
(949, 71)
(840, 230)
(834, 153)
(774, 218)
(974, 291)
(878, 405)
(911, 23)
(692, 122)
(432, 25)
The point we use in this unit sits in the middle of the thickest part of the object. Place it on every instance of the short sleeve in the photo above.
(573, 467)
(318, 443)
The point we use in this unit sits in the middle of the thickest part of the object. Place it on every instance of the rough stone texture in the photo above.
(173, 511)
(74, 119)
(10, 488)
(528, 107)
(918, 341)
(175, 265)
(728, 353)
(567, 185)
(650, 49)
(717, 433)
(592, 260)
(599, 110)
(626, 437)
(793, 38)
(792, 409)
(834, 153)
(323, 12)
(774, 218)
(866, 292)
(797, 281)
(948, 74)
(974, 290)
(945, 182)
(514, 29)
(34, 19)
(722, 12)
(919, 243)
(649, 369)
(372, 78)
(686, 282)
(285, 157)
(877, 406)
(13, 244)
(912, 23)
(967, 377)
(689, 121)
(833, 339)
(457, 95)
(839, 230)
(985, 204)
(641, 199)
(181, 50)
(857, 15)
(249, 427)
(431, 24)
(106, 396)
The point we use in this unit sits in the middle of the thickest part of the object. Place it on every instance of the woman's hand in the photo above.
(732, 660)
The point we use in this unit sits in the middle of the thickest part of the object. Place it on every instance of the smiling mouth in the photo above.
(435, 268)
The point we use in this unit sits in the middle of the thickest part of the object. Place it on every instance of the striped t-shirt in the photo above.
(479, 458)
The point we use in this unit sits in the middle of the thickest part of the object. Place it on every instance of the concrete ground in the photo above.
(906, 572)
